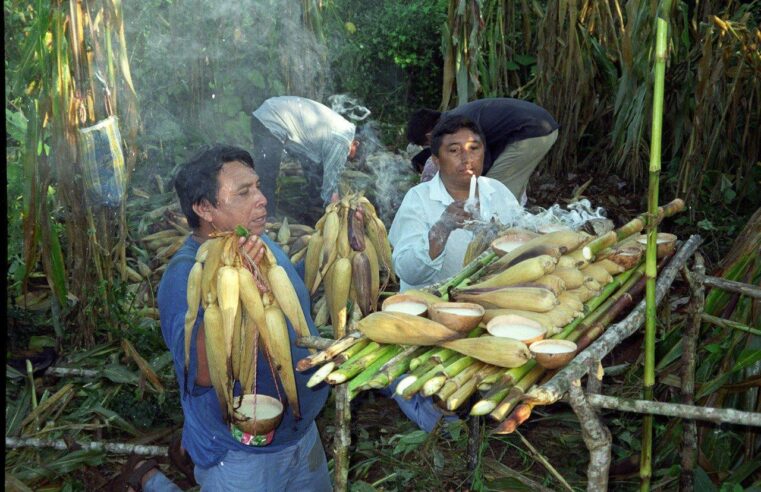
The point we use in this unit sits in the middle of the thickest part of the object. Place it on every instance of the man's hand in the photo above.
(453, 217)
(252, 247)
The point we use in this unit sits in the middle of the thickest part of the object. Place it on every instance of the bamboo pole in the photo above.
(342, 439)
(554, 389)
(661, 55)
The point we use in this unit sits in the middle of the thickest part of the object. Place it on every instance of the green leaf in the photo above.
(120, 374)
(747, 358)
(257, 79)
(37, 342)
(713, 348)
(511, 65)
(702, 481)
(525, 60)
(706, 225)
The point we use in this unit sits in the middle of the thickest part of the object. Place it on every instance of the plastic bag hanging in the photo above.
(100, 153)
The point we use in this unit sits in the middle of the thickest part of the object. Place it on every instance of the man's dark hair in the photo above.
(421, 122)
(452, 124)
(197, 179)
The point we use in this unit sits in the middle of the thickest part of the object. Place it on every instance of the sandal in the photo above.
(180, 459)
(132, 475)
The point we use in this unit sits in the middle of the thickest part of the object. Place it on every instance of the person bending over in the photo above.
(517, 135)
(321, 139)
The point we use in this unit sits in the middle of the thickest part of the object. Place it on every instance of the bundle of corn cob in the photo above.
(243, 303)
(345, 254)
(389, 345)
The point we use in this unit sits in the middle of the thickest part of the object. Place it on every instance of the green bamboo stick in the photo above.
(416, 382)
(360, 379)
(393, 369)
(355, 352)
(349, 370)
(466, 374)
(472, 268)
(661, 55)
(451, 370)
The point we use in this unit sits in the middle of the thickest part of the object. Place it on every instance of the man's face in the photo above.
(239, 200)
(461, 156)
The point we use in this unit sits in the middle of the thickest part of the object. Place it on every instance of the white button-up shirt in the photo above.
(420, 210)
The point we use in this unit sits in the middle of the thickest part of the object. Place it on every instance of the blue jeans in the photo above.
(301, 467)
(419, 409)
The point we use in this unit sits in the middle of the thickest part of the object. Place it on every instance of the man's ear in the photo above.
(203, 210)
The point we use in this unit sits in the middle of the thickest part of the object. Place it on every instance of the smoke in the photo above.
(577, 214)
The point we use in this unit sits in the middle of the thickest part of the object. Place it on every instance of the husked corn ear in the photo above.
(497, 351)
(583, 293)
(279, 348)
(288, 299)
(237, 344)
(342, 242)
(525, 298)
(337, 290)
(572, 277)
(312, 261)
(598, 273)
(525, 271)
(574, 259)
(560, 316)
(321, 312)
(284, 233)
(228, 300)
(376, 231)
(216, 355)
(372, 257)
(210, 266)
(569, 300)
(549, 281)
(249, 335)
(406, 329)
(610, 266)
(194, 301)
(565, 240)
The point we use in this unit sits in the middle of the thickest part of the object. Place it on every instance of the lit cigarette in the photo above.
(473, 181)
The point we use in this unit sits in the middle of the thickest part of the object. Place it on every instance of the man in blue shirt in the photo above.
(219, 190)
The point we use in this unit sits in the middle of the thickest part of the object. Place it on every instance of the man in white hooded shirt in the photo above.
(428, 231)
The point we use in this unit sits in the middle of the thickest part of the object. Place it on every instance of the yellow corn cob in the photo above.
(372, 257)
(337, 290)
(525, 298)
(497, 351)
(598, 273)
(288, 300)
(228, 297)
(583, 293)
(549, 281)
(279, 347)
(401, 328)
(610, 266)
(312, 261)
(214, 338)
(236, 354)
(210, 266)
(321, 312)
(284, 233)
(342, 241)
(572, 277)
(571, 301)
(525, 271)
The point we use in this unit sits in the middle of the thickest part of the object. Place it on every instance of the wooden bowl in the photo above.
(512, 239)
(552, 354)
(665, 243)
(269, 412)
(516, 327)
(459, 316)
(402, 303)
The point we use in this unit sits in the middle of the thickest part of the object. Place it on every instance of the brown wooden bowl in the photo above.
(665, 243)
(403, 303)
(516, 327)
(512, 239)
(552, 354)
(459, 316)
(269, 412)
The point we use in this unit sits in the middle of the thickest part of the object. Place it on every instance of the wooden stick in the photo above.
(596, 437)
(108, 447)
(554, 390)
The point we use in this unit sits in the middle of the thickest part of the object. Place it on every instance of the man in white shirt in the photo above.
(428, 231)
(317, 136)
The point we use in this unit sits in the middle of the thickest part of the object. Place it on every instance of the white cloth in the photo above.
(311, 130)
(420, 210)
